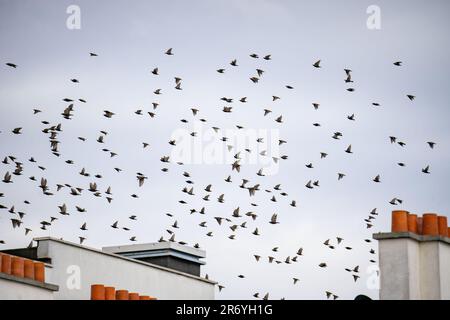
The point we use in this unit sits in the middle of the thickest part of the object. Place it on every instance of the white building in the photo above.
(415, 258)
(71, 269)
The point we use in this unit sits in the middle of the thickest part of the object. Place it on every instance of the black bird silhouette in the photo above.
(426, 169)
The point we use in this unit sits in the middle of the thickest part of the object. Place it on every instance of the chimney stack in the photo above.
(415, 257)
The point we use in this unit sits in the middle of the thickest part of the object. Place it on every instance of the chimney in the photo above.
(110, 293)
(430, 224)
(167, 254)
(97, 292)
(415, 257)
(102, 292)
(399, 221)
(122, 295)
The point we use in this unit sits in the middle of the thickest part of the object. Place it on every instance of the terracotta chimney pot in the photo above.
(17, 267)
(110, 293)
(6, 263)
(97, 292)
(122, 295)
(419, 225)
(133, 296)
(399, 221)
(39, 271)
(442, 225)
(29, 269)
(430, 224)
(412, 223)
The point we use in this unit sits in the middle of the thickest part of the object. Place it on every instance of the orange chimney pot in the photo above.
(39, 271)
(419, 225)
(17, 267)
(399, 221)
(442, 225)
(6, 264)
(133, 296)
(29, 269)
(122, 295)
(412, 223)
(430, 224)
(110, 293)
(97, 292)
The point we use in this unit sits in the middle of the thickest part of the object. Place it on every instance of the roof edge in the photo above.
(124, 258)
(410, 235)
(34, 283)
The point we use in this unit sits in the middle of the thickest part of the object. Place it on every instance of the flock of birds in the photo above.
(14, 168)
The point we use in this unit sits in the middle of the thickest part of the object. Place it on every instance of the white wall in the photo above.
(430, 281)
(411, 269)
(394, 260)
(12, 290)
(92, 267)
(444, 268)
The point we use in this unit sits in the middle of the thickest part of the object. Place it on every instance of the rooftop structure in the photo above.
(167, 254)
(72, 271)
(415, 257)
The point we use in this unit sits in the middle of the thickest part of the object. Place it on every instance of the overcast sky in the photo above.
(130, 39)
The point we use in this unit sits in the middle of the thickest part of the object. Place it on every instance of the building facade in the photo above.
(71, 270)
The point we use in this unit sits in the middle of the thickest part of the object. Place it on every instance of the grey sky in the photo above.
(130, 39)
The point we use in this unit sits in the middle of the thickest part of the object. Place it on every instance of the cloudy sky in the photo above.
(130, 39)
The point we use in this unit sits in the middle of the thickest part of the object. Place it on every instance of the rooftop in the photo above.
(158, 249)
(109, 252)
(428, 227)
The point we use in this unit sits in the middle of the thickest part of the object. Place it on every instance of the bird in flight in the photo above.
(240, 107)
